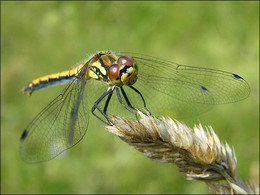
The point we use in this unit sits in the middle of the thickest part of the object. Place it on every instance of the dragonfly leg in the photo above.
(107, 92)
(126, 99)
(141, 97)
(107, 102)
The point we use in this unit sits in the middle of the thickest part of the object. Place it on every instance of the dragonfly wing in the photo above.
(184, 89)
(59, 126)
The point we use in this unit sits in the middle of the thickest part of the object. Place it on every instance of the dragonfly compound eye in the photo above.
(114, 75)
(113, 72)
(125, 60)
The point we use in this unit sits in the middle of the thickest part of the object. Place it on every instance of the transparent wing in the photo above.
(183, 91)
(59, 126)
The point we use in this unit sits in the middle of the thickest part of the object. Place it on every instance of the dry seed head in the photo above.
(198, 153)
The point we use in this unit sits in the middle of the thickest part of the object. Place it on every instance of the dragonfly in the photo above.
(121, 83)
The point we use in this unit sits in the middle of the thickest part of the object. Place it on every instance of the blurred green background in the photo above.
(39, 38)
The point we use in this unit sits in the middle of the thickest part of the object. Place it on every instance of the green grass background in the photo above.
(39, 38)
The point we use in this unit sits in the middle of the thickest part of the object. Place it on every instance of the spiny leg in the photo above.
(120, 100)
(107, 92)
(141, 97)
(107, 102)
(126, 98)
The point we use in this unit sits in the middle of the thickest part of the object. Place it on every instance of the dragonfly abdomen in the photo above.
(51, 80)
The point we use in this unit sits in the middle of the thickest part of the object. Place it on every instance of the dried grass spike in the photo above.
(198, 153)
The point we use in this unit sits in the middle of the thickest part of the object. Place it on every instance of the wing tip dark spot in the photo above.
(204, 89)
(235, 76)
(24, 135)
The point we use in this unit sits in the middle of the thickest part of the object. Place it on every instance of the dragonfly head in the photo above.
(123, 72)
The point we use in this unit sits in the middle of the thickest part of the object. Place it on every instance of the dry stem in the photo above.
(197, 152)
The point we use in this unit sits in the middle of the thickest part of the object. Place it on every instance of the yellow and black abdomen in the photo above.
(94, 68)
(51, 80)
